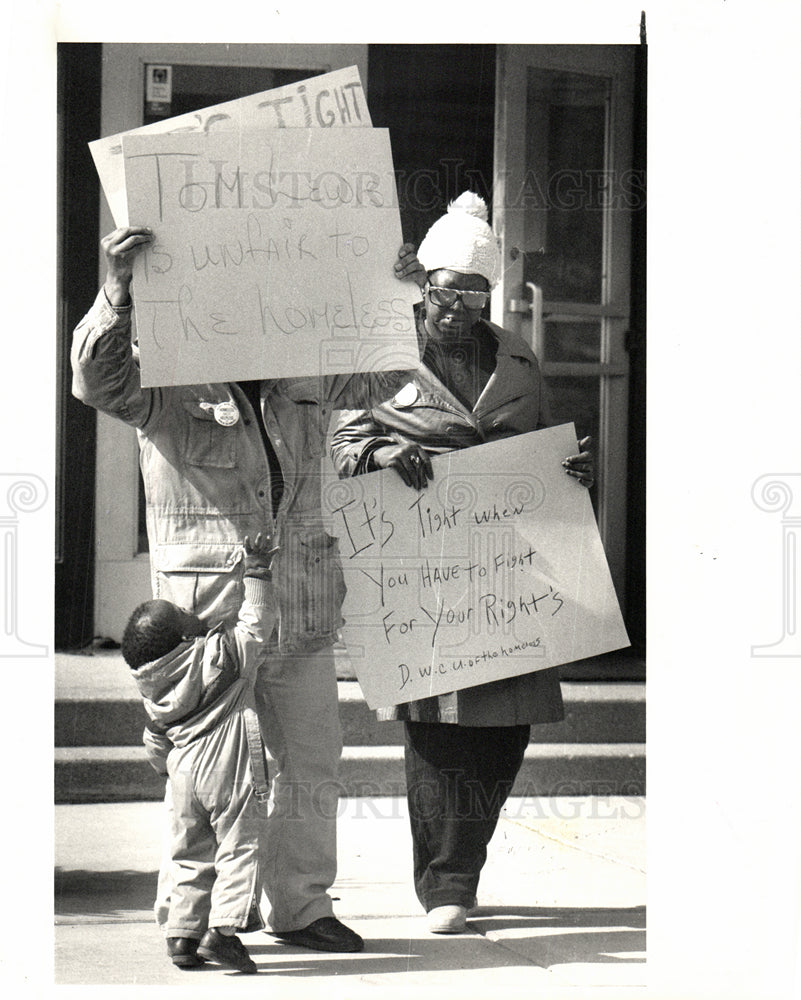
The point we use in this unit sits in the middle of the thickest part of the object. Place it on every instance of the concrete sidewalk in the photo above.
(561, 907)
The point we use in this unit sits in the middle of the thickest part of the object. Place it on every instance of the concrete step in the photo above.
(610, 712)
(122, 774)
(599, 749)
(605, 712)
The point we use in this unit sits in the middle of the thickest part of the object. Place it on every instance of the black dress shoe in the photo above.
(325, 934)
(183, 952)
(226, 950)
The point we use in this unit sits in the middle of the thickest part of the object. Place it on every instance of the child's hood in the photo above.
(173, 686)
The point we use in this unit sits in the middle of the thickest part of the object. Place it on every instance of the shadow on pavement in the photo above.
(500, 936)
(81, 892)
(388, 956)
(610, 935)
(508, 917)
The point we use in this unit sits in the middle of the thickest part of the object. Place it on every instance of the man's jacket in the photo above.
(207, 483)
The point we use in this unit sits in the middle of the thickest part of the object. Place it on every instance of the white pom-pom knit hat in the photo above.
(462, 241)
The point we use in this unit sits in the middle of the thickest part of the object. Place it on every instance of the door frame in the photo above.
(509, 302)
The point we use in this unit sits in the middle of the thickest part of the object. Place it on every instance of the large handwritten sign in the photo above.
(272, 257)
(330, 100)
(496, 569)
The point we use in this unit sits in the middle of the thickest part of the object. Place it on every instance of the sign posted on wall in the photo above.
(496, 569)
(272, 255)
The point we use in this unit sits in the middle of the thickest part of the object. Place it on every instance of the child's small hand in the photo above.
(258, 555)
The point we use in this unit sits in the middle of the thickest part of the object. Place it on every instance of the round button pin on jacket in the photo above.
(406, 396)
(226, 413)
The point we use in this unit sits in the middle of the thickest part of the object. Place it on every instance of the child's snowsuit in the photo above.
(199, 699)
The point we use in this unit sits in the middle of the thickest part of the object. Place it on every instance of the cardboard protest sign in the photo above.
(273, 255)
(496, 569)
(331, 100)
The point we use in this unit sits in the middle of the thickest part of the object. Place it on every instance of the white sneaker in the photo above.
(447, 919)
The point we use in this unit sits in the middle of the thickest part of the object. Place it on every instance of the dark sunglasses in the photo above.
(447, 297)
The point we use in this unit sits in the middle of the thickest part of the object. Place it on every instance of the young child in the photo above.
(197, 686)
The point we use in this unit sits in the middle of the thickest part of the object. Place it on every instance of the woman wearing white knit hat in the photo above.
(477, 383)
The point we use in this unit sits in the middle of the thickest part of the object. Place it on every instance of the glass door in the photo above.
(562, 205)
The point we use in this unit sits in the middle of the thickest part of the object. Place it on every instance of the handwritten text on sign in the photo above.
(272, 257)
(332, 100)
(496, 569)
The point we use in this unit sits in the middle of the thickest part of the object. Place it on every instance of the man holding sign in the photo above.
(263, 284)
(478, 383)
(221, 460)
